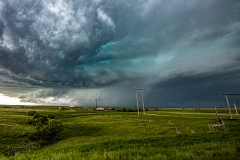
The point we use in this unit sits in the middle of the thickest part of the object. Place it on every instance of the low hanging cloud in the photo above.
(54, 47)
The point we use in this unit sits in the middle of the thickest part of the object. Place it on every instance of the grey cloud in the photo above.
(210, 36)
(1, 28)
(97, 44)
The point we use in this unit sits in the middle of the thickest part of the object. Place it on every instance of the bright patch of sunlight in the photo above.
(5, 100)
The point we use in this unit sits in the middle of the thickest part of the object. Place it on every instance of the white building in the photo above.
(100, 109)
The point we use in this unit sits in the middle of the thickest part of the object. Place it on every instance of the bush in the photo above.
(51, 116)
(38, 118)
(50, 131)
(62, 108)
(47, 128)
(31, 113)
(132, 110)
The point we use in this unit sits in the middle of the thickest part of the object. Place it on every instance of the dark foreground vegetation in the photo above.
(74, 133)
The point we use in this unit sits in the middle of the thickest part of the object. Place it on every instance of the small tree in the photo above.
(50, 131)
(31, 113)
(38, 119)
(47, 128)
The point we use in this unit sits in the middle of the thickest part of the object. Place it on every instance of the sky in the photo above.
(72, 52)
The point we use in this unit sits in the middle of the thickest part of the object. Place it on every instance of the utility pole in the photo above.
(143, 104)
(137, 102)
(96, 103)
(83, 103)
(139, 93)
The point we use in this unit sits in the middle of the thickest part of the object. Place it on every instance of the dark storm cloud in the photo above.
(107, 45)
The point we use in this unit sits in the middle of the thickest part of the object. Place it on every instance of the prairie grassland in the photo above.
(162, 134)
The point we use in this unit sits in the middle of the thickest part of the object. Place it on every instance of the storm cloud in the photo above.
(76, 51)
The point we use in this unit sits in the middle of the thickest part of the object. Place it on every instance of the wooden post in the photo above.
(235, 108)
(228, 107)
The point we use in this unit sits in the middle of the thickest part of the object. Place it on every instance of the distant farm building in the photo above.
(100, 109)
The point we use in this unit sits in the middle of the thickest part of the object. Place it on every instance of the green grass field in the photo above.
(90, 134)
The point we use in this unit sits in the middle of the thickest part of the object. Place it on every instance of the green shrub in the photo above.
(51, 116)
(38, 118)
(31, 113)
(47, 128)
(132, 110)
(51, 130)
